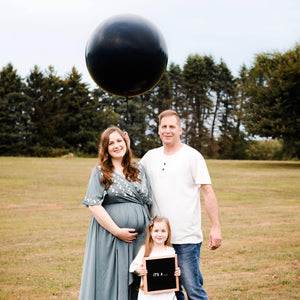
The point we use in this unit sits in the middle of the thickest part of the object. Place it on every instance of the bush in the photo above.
(265, 150)
(42, 151)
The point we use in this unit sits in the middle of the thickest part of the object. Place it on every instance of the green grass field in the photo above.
(43, 229)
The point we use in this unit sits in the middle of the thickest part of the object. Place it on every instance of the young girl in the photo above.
(158, 243)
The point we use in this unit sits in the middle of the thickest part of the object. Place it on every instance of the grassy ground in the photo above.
(43, 229)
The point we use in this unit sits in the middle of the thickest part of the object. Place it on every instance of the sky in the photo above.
(55, 32)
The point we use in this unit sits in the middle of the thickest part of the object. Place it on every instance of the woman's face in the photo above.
(116, 146)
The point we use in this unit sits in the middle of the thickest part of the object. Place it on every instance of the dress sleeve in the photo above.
(146, 184)
(95, 192)
(138, 260)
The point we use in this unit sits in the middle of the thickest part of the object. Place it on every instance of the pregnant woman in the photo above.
(118, 196)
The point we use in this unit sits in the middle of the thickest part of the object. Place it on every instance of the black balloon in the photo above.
(126, 55)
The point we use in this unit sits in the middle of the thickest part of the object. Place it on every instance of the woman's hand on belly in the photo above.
(126, 234)
(128, 216)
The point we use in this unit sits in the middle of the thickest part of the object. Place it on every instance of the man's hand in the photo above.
(215, 238)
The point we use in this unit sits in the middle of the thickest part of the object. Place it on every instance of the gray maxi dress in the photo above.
(105, 274)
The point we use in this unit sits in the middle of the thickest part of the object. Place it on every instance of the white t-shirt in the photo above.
(175, 182)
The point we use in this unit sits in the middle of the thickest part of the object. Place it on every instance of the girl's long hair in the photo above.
(130, 171)
(149, 241)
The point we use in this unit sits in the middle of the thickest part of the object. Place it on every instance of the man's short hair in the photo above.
(168, 113)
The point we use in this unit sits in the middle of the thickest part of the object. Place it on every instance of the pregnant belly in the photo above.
(128, 215)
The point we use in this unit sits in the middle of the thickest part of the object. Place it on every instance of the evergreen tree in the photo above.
(198, 73)
(99, 115)
(44, 90)
(224, 108)
(180, 101)
(14, 107)
(135, 124)
(74, 116)
(239, 141)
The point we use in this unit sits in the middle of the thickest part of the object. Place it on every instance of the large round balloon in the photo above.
(126, 55)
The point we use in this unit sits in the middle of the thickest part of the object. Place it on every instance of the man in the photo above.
(177, 174)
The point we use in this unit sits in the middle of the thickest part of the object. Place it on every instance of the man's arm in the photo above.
(212, 208)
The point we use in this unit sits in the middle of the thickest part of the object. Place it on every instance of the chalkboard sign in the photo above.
(160, 276)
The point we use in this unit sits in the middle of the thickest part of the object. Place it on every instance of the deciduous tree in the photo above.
(273, 106)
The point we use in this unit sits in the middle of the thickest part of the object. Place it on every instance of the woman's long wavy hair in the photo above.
(130, 171)
(149, 241)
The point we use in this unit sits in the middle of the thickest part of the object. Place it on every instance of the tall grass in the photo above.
(43, 229)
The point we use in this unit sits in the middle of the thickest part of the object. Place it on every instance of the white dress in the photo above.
(137, 263)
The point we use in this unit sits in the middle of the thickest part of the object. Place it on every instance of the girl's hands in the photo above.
(177, 272)
(141, 271)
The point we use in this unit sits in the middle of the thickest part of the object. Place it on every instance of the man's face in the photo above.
(169, 130)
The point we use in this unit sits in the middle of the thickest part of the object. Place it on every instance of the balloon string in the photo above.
(127, 118)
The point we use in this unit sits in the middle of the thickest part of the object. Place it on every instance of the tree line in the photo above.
(223, 117)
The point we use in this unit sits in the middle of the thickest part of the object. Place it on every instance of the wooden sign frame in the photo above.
(160, 276)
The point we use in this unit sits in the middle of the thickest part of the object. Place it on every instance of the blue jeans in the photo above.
(191, 279)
